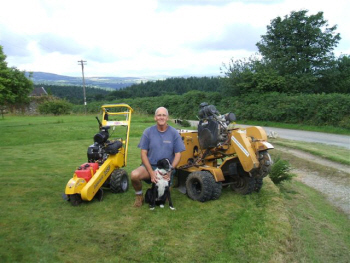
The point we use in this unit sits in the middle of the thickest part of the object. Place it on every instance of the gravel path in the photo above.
(336, 191)
(336, 188)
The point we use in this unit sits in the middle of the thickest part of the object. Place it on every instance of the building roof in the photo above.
(37, 92)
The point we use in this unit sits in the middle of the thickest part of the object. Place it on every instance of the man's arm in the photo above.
(174, 164)
(176, 159)
(148, 166)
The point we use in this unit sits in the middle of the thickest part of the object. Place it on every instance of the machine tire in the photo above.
(265, 164)
(75, 199)
(199, 186)
(217, 187)
(242, 183)
(258, 184)
(119, 181)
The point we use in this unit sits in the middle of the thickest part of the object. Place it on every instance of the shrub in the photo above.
(56, 107)
(185, 123)
(280, 171)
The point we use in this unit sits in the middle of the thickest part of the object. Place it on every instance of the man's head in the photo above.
(161, 116)
(163, 109)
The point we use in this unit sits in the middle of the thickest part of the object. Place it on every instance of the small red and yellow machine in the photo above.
(105, 159)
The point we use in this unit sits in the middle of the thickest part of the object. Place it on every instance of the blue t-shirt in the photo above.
(161, 145)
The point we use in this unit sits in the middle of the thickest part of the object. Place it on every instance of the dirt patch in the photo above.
(335, 186)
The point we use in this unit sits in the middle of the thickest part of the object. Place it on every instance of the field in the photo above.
(39, 156)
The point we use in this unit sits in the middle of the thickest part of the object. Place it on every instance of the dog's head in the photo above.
(164, 164)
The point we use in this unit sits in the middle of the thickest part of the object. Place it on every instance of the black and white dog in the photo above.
(160, 192)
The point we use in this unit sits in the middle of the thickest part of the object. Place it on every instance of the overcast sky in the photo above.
(123, 38)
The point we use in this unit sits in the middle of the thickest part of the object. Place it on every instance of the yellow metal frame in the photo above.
(126, 123)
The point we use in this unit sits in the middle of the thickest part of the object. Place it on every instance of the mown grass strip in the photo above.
(330, 152)
(319, 232)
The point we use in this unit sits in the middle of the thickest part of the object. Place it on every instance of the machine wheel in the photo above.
(243, 184)
(119, 181)
(75, 199)
(217, 187)
(258, 184)
(199, 186)
(265, 163)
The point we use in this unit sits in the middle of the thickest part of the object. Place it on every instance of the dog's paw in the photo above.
(151, 208)
(172, 208)
(161, 206)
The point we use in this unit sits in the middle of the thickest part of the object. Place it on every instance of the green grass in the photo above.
(330, 152)
(39, 156)
(319, 234)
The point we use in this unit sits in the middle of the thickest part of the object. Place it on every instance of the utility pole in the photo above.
(82, 63)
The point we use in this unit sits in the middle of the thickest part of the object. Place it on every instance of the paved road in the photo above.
(306, 136)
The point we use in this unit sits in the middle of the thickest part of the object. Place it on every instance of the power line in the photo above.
(82, 63)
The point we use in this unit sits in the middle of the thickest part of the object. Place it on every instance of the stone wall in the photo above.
(30, 108)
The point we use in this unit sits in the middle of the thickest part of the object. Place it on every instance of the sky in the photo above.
(140, 38)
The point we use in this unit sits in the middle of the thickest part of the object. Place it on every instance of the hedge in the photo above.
(309, 109)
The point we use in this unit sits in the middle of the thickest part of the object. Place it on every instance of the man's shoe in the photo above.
(138, 200)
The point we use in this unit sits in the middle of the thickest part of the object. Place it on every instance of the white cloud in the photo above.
(138, 37)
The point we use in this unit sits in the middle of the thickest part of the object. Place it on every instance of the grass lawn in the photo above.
(39, 156)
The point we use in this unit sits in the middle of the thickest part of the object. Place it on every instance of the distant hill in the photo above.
(113, 83)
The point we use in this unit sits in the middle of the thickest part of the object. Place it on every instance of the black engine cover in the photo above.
(113, 147)
(94, 153)
(208, 134)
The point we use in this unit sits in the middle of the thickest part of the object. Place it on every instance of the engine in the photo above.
(213, 127)
(96, 152)
(102, 147)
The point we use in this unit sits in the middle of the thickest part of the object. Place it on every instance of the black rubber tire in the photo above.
(243, 184)
(199, 186)
(258, 184)
(119, 181)
(75, 199)
(265, 164)
(217, 187)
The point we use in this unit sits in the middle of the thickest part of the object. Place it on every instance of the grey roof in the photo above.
(38, 92)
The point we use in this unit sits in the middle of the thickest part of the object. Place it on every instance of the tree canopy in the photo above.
(299, 44)
(14, 86)
(296, 56)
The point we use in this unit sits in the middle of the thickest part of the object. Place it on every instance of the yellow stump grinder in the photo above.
(218, 155)
(105, 159)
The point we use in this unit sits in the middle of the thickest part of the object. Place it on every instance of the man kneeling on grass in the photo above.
(157, 142)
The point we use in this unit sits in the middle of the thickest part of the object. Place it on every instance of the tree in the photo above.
(336, 79)
(299, 46)
(240, 77)
(14, 86)
(299, 43)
